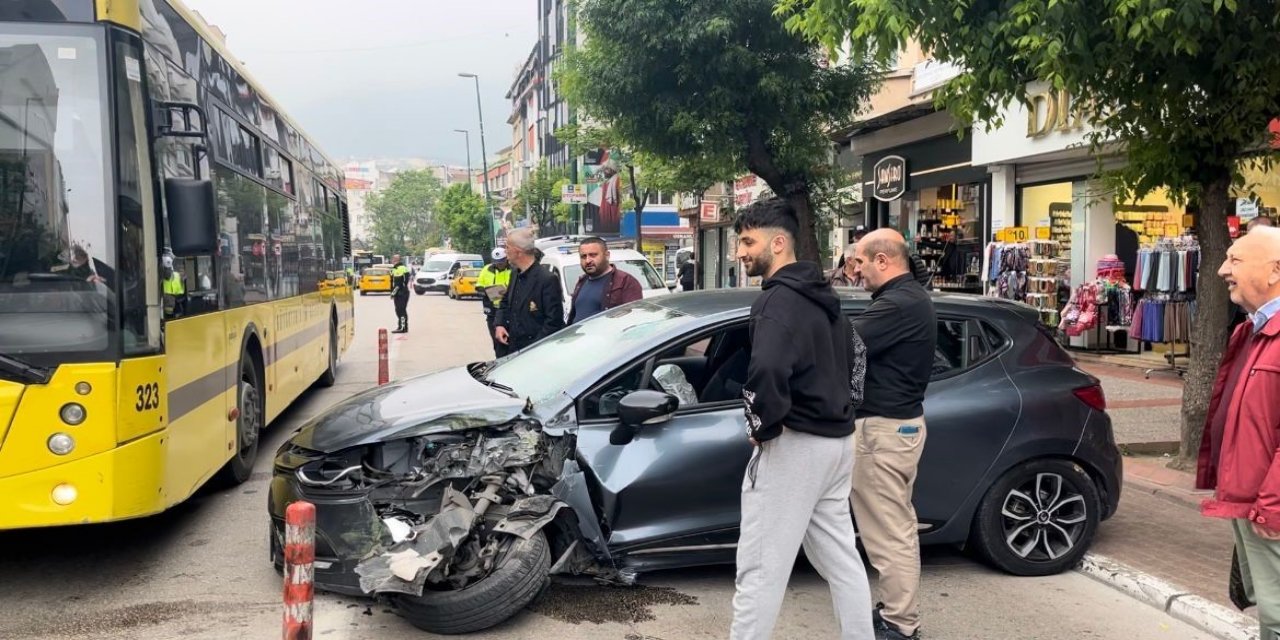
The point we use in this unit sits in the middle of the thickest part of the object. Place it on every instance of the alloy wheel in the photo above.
(1043, 518)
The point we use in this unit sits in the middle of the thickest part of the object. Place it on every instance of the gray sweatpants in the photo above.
(796, 490)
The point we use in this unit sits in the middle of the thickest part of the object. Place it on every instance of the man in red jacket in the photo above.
(1238, 452)
(602, 286)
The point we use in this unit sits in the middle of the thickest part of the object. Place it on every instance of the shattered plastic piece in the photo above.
(399, 529)
(405, 566)
(674, 382)
(529, 514)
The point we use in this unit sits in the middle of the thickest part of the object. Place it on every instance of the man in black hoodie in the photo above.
(804, 383)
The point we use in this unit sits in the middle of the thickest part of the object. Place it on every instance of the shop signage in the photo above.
(1053, 110)
(1013, 234)
(573, 194)
(889, 178)
(709, 211)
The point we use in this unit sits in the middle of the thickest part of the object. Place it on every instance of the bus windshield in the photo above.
(57, 279)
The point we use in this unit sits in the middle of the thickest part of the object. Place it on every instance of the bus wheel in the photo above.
(330, 375)
(248, 426)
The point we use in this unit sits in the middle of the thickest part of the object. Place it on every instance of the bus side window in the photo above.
(200, 281)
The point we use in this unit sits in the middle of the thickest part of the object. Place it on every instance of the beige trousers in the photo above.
(886, 454)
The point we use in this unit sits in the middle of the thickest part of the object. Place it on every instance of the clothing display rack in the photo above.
(1166, 272)
(1103, 305)
(1029, 272)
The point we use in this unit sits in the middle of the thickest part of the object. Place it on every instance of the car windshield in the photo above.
(58, 275)
(555, 363)
(437, 266)
(376, 272)
(641, 269)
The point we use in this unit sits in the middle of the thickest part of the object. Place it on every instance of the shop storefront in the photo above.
(930, 191)
(1113, 275)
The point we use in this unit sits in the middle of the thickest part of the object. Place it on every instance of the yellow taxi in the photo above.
(464, 284)
(375, 279)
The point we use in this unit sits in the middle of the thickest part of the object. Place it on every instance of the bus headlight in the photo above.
(61, 444)
(64, 494)
(72, 413)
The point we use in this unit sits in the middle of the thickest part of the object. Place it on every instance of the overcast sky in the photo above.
(378, 78)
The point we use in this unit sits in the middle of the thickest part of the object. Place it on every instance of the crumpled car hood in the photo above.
(449, 400)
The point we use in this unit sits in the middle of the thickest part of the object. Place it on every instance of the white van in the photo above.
(563, 261)
(438, 270)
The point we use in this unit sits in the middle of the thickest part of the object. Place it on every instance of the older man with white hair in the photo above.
(533, 307)
(1238, 452)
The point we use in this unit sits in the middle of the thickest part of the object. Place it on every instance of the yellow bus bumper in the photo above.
(124, 482)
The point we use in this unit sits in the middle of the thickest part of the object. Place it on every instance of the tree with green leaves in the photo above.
(462, 214)
(715, 79)
(1185, 89)
(401, 217)
(539, 197)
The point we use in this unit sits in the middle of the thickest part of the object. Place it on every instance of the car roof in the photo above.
(728, 301)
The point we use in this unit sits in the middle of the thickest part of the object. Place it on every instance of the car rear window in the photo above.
(376, 272)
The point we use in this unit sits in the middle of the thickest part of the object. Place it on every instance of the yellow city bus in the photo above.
(170, 261)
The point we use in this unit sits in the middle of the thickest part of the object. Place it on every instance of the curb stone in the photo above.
(1198, 612)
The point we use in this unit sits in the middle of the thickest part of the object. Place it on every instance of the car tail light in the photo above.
(1092, 396)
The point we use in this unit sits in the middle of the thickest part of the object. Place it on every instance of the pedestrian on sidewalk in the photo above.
(845, 273)
(400, 293)
(533, 307)
(1238, 450)
(493, 282)
(601, 286)
(803, 385)
(900, 330)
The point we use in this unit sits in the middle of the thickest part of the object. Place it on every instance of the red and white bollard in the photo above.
(299, 569)
(384, 374)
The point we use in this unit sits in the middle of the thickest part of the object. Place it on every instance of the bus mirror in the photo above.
(175, 119)
(193, 229)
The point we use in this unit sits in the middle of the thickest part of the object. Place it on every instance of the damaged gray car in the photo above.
(616, 446)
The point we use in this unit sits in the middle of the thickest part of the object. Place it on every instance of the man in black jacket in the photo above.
(901, 332)
(533, 307)
(801, 393)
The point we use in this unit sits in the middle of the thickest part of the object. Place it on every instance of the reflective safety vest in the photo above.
(173, 285)
(489, 277)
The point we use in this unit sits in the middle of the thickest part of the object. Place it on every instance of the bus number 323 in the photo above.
(148, 397)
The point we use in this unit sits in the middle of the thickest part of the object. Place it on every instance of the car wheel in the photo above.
(1038, 519)
(363, 292)
(421, 292)
(520, 576)
(330, 375)
(248, 426)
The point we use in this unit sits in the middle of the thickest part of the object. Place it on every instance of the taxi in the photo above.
(375, 279)
(463, 284)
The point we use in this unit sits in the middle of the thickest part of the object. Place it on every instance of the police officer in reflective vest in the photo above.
(496, 274)
(174, 293)
(400, 293)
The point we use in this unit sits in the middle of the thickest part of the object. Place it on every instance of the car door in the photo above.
(971, 408)
(676, 484)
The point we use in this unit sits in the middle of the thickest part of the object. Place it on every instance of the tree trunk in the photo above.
(1209, 328)
(795, 189)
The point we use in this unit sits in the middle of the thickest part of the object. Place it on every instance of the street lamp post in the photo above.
(468, 137)
(484, 158)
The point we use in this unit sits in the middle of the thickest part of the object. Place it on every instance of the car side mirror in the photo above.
(646, 407)
(193, 225)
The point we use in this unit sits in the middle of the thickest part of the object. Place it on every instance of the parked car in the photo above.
(563, 261)
(438, 270)
(463, 284)
(616, 446)
(375, 279)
